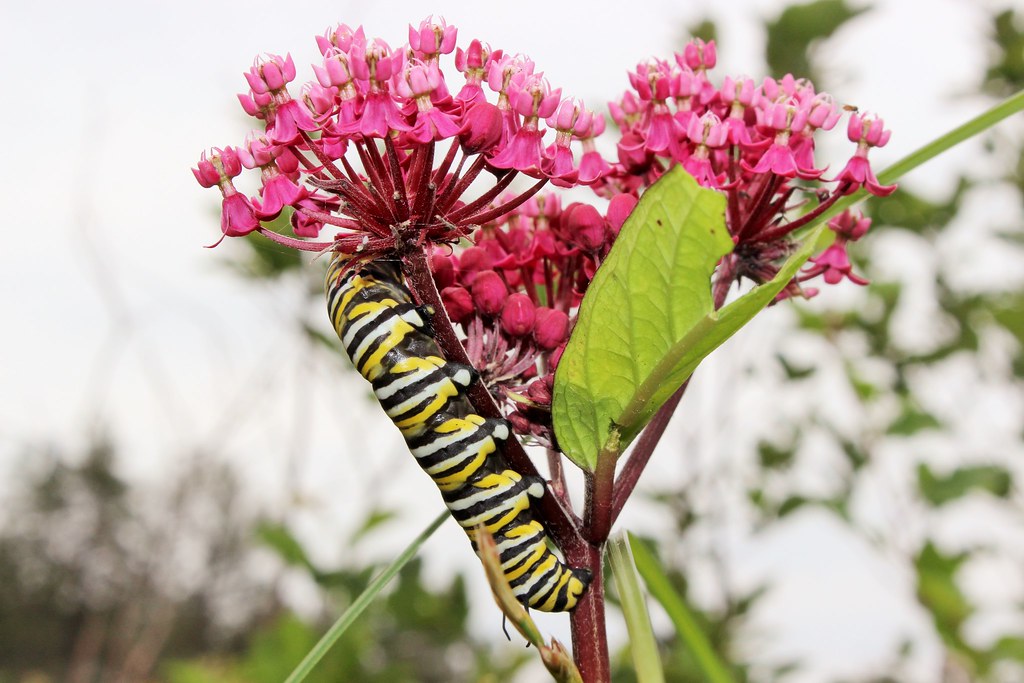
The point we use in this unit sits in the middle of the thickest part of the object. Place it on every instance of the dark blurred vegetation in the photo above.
(109, 582)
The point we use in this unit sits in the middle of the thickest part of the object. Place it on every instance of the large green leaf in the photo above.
(650, 293)
(648, 318)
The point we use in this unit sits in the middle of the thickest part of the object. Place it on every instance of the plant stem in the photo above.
(641, 453)
(597, 505)
(589, 635)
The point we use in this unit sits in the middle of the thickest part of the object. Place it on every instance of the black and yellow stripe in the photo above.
(389, 341)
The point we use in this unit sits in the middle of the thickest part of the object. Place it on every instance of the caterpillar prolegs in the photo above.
(388, 338)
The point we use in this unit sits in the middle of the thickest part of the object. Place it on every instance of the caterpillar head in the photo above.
(581, 579)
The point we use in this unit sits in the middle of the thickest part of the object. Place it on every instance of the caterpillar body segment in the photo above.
(389, 340)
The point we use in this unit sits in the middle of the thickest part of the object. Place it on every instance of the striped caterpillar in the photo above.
(388, 338)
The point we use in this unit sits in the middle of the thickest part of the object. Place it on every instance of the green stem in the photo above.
(361, 603)
(642, 645)
(689, 630)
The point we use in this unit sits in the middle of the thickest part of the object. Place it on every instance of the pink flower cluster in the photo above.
(513, 295)
(378, 147)
(377, 150)
(753, 141)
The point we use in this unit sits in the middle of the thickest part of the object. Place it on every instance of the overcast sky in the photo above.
(114, 312)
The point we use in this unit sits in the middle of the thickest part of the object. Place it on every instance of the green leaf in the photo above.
(287, 546)
(941, 490)
(1008, 647)
(938, 591)
(660, 588)
(794, 372)
(1006, 71)
(361, 603)
(642, 644)
(374, 519)
(912, 420)
(648, 318)
(772, 456)
(792, 504)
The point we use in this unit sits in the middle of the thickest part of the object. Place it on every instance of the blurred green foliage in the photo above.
(793, 35)
(414, 635)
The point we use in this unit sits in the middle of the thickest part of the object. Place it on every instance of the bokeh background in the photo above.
(193, 482)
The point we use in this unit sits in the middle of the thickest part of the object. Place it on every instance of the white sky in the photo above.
(115, 312)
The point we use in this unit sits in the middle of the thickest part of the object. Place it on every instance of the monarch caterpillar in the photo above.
(388, 338)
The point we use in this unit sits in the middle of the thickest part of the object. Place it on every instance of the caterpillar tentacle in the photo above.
(390, 342)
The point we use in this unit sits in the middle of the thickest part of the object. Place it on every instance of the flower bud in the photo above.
(619, 209)
(443, 268)
(482, 128)
(555, 357)
(206, 172)
(518, 315)
(539, 391)
(700, 55)
(489, 292)
(458, 302)
(254, 103)
(520, 423)
(551, 328)
(585, 226)
(472, 261)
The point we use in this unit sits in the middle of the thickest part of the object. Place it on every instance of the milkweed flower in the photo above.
(376, 151)
(375, 157)
(754, 141)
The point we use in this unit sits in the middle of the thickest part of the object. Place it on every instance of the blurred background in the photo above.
(194, 483)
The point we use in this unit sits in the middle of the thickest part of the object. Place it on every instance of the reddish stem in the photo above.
(783, 230)
(587, 620)
(441, 172)
(459, 214)
(597, 505)
(557, 472)
(641, 453)
(314, 147)
(378, 180)
(757, 207)
(395, 166)
(423, 163)
(452, 193)
(488, 215)
(331, 219)
(293, 243)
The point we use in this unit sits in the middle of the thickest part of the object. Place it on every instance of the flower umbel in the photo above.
(756, 143)
(379, 152)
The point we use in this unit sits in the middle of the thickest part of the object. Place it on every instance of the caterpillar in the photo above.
(389, 341)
